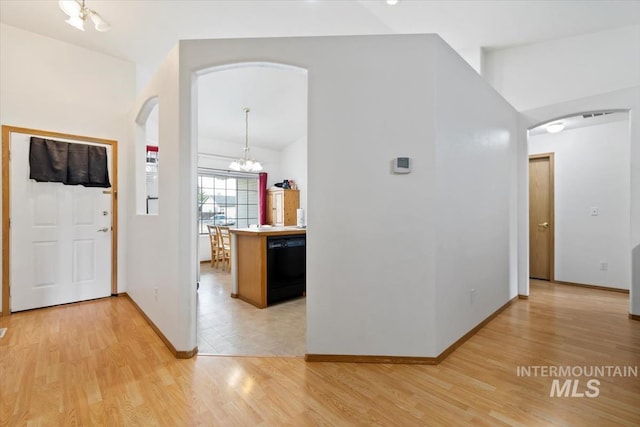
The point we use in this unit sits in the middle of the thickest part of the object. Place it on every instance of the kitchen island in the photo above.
(269, 264)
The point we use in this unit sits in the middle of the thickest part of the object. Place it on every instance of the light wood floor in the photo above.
(232, 327)
(98, 363)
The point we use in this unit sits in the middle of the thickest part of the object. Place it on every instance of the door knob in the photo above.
(104, 229)
(544, 224)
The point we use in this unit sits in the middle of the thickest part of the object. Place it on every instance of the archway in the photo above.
(623, 100)
(147, 157)
(277, 97)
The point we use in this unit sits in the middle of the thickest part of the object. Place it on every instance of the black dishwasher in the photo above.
(286, 267)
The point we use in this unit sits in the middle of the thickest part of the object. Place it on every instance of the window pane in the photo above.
(252, 198)
(253, 212)
(224, 200)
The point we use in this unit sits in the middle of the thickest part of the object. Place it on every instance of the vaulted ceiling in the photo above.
(144, 31)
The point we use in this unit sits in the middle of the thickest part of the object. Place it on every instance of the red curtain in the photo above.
(262, 200)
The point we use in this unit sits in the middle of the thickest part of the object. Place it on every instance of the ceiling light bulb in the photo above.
(70, 7)
(555, 127)
(392, 2)
(100, 24)
(78, 14)
(76, 22)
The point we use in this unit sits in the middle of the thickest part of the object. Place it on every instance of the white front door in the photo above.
(60, 237)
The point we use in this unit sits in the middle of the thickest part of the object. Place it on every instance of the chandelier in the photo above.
(246, 163)
(78, 14)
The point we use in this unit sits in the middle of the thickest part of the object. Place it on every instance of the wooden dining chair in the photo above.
(214, 240)
(224, 237)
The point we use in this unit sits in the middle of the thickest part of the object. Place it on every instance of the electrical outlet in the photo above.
(156, 293)
(604, 266)
(595, 211)
(472, 295)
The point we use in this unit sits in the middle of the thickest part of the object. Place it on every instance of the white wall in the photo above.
(474, 57)
(591, 170)
(476, 153)
(155, 239)
(556, 71)
(371, 267)
(628, 99)
(293, 165)
(51, 85)
(355, 108)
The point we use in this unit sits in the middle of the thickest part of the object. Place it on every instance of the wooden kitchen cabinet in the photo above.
(281, 206)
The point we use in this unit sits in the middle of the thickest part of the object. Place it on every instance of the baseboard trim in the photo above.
(177, 354)
(234, 295)
(634, 316)
(473, 331)
(601, 288)
(346, 358)
(407, 360)
(523, 296)
(186, 354)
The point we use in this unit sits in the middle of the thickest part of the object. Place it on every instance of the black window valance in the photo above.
(68, 163)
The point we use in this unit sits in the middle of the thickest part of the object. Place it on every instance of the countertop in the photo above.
(269, 231)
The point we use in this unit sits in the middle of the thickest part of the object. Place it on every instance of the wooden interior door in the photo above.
(541, 235)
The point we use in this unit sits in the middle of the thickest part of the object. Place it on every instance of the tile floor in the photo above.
(231, 327)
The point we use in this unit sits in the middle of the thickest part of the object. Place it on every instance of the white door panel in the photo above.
(58, 254)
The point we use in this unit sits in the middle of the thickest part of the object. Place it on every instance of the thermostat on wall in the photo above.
(402, 165)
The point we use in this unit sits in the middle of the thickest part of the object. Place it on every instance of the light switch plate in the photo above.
(595, 211)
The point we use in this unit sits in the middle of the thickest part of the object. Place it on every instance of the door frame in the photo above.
(552, 221)
(6, 188)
